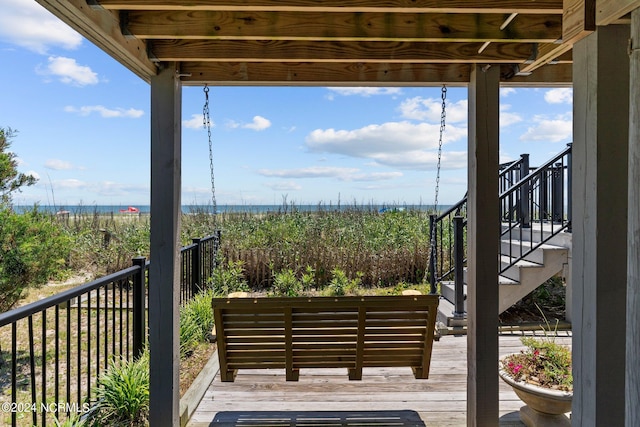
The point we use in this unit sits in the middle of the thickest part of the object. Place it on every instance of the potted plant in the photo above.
(541, 376)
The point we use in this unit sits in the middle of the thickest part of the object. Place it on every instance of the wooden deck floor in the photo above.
(384, 397)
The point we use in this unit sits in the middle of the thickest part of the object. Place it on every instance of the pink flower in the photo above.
(516, 369)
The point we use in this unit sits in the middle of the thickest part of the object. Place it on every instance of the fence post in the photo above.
(458, 236)
(524, 205)
(558, 184)
(433, 253)
(139, 310)
(569, 192)
(196, 269)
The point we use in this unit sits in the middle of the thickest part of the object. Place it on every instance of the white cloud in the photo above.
(342, 174)
(70, 184)
(508, 118)
(195, 122)
(58, 165)
(430, 109)
(559, 96)
(364, 91)
(506, 91)
(377, 176)
(259, 123)
(397, 144)
(284, 186)
(25, 23)
(423, 160)
(310, 172)
(105, 112)
(68, 71)
(110, 188)
(555, 129)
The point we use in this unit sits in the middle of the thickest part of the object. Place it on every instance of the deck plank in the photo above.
(384, 396)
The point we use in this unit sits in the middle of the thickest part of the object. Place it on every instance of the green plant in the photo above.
(286, 284)
(73, 421)
(308, 279)
(340, 284)
(196, 322)
(544, 363)
(33, 249)
(10, 179)
(122, 394)
(228, 278)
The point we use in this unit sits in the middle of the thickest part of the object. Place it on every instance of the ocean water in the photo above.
(189, 209)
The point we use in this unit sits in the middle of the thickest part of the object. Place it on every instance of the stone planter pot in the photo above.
(544, 407)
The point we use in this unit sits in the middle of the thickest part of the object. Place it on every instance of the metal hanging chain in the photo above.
(432, 237)
(206, 121)
(443, 120)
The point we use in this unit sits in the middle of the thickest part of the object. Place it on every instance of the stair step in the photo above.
(536, 234)
(446, 316)
(515, 248)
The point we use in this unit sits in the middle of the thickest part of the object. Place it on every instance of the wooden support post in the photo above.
(600, 202)
(164, 272)
(633, 236)
(483, 238)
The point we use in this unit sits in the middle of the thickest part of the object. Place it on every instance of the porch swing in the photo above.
(352, 332)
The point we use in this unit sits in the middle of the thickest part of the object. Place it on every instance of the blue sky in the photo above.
(83, 130)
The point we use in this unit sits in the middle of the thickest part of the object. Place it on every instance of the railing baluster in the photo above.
(57, 366)
(458, 226)
(89, 345)
(32, 365)
(139, 307)
(98, 309)
(79, 349)
(44, 365)
(120, 286)
(14, 370)
(68, 396)
(113, 320)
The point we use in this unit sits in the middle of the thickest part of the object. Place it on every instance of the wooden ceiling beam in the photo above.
(559, 75)
(610, 11)
(352, 74)
(321, 74)
(579, 20)
(102, 27)
(336, 51)
(546, 53)
(545, 7)
(341, 26)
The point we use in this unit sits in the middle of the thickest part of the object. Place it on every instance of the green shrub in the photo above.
(33, 250)
(286, 284)
(122, 394)
(340, 284)
(73, 421)
(196, 322)
(308, 279)
(229, 278)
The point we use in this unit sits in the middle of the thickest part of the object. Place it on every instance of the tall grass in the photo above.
(381, 249)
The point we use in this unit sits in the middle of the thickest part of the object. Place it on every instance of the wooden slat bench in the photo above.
(325, 332)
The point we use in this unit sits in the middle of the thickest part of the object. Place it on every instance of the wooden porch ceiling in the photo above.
(336, 42)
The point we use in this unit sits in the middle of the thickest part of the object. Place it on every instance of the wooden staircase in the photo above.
(531, 251)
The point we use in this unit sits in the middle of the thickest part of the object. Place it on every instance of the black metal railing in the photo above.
(543, 209)
(535, 205)
(198, 260)
(52, 351)
(441, 266)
